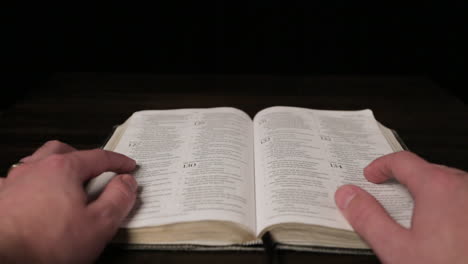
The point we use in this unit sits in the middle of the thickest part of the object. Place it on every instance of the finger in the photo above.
(370, 220)
(49, 148)
(408, 168)
(114, 204)
(91, 163)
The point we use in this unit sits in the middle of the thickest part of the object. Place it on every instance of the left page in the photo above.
(194, 165)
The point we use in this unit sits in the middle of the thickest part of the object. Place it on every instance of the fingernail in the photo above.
(26, 159)
(137, 166)
(344, 196)
(130, 181)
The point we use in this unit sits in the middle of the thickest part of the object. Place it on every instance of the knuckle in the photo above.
(101, 154)
(58, 161)
(403, 155)
(125, 194)
(53, 143)
(109, 214)
(360, 217)
(98, 150)
(106, 155)
(117, 205)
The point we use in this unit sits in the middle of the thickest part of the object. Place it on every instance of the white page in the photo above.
(195, 164)
(302, 156)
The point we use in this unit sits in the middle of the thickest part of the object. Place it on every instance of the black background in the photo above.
(279, 38)
(233, 37)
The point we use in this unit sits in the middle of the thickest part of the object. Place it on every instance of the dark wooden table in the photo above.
(81, 109)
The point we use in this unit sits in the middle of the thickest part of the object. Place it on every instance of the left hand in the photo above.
(45, 214)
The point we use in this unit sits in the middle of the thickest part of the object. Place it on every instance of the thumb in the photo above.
(114, 204)
(370, 220)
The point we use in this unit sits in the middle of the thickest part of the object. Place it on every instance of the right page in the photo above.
(302, 156)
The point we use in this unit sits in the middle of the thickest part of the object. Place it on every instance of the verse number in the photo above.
(189, 165)
(132, 144)
(326, 138)
(265, 140)
(336, 165)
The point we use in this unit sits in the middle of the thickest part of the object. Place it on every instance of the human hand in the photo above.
(439, 227)
(45, 214)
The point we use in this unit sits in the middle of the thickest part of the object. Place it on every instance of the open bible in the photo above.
(215, 177)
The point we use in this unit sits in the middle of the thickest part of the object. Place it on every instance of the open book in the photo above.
(216, 177)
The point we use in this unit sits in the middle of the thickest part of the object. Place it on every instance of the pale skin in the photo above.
(46, 217)
(439, 228)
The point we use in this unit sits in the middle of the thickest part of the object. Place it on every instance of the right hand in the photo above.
(439, 228)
